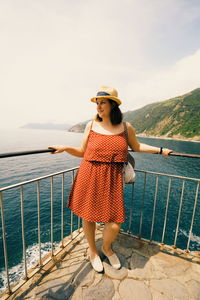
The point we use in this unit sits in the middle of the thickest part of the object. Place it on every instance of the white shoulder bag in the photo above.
(128, 169)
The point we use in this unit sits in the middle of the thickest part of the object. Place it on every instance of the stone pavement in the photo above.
(147, 273)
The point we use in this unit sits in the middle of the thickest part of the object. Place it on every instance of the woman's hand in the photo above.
(165, 151)
(58, 149)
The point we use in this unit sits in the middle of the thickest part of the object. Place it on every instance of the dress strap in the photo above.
(91, 124)
(126, 130)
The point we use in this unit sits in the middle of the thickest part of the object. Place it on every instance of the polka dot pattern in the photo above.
(97, 191)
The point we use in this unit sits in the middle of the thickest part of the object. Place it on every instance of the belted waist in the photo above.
(106, 157)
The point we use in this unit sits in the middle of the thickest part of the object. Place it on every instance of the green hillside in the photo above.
(178, 116)
(174, 118)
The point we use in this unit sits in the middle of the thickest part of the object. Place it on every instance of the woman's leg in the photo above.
(89, 231)
(110, 232)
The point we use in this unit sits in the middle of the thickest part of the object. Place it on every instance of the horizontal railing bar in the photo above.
(184, 155)
(19, 153)
(168, 175)
(39, 151)
(38, 178)
(189, 155)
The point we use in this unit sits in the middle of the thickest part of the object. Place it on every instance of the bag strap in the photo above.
(131, 159)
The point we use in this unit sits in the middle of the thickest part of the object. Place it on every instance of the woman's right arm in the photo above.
(76, 151)
(136, 146)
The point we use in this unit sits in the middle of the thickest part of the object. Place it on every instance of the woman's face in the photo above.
(103, 107)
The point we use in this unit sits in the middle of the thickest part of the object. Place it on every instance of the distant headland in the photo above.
(48, 126)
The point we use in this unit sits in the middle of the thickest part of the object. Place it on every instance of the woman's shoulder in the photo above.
(88, 125)
(130, 127)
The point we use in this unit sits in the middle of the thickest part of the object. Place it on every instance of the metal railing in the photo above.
(21, 185)
(131, 202)
(179, 206)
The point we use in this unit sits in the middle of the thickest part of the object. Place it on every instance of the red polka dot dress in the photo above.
(97, 191)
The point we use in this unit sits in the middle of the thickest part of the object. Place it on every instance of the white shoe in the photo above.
(96, 263)
(113, 259)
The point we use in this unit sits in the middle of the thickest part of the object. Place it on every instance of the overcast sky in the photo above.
(55, 54)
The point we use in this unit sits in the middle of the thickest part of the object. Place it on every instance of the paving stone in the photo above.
(116, 283)
(153, 249)
(158, 296)
(46, 297)
(88, 279)
(146, 274)
(193, 287)
(77, 294)
(97, 279)
(113, 273)
(134, 290)
(77, 266)
(103, 290)
(142, 251)
(170, 288)
(116, 296)
(126, 252)
(142, 268)
(79, 253)
(86, 273)
(196, 267)
(70, 260)
(170, 265)
(138, 261)
(55, 289)
(187, 276)
(128, 242)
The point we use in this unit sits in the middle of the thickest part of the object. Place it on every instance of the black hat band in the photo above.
(103, 94)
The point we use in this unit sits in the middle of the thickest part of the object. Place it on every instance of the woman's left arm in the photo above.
(136, 146)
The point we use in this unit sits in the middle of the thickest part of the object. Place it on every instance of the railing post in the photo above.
(71, 227)
(179, 213)
(23, 235)
(39, 232)
(142, 209)
(51, 216)
(79, 219)
(166, 210)
(62, 210)
(131, 209)
(4, 242)
(154, 209)
(193, 214)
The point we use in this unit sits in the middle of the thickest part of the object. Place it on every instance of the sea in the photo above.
(21, 168)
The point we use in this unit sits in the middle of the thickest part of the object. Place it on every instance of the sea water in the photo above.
(21, 168)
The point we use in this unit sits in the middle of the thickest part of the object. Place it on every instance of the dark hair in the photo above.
(115, 113)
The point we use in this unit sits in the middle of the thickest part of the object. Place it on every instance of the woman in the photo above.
(97, 192)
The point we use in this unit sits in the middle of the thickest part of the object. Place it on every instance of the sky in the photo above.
(55, 55)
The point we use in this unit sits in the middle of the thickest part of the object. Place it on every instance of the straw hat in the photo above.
(108, 93)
